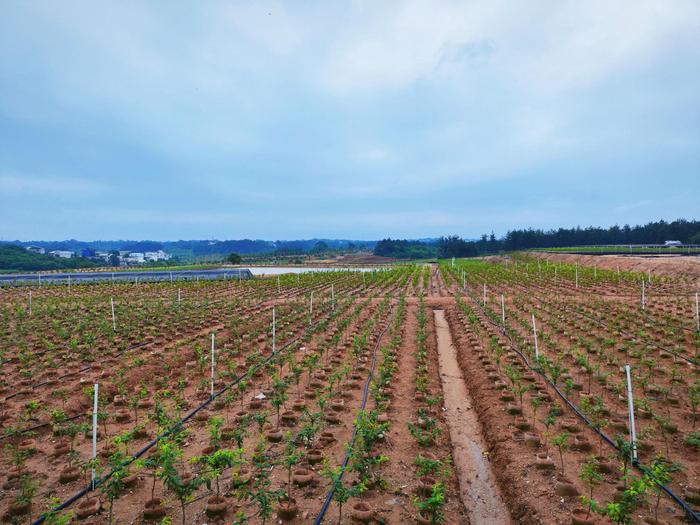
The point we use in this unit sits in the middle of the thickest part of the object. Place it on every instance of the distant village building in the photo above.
(673, 243)
(134, 258)
(63, 254)
(160, 255)
(35, 249)
(127, 258)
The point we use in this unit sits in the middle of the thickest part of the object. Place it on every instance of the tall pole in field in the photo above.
(333, 296)
(39, 279)
(644, 300)
(484, 293)
(649, 275)
(697, 313)
(171, 276)
(311, 307)
(534, 333)
(69, 282)
(464, 280)
(278, 285)
(453, 261)
(112, 277)
(274, 334)
(114, 319)
(630, 408)
(503, 312)
(595, 272)
(211, 391)
(30, 302)
(178, 297)
(94, 433)
(577, 275)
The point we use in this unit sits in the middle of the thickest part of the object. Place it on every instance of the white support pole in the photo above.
(484, 293)
(178, 297)
(112, 277)
(274, 331)
(503, 312)
(333, 296)
(137, 280)
(30, 302)
(649, 275)
(39, 279)
(577, 276)
(534, 333)
(114, 319)
(595, 272)
(363, 279)
(211, 392)
(94, 432)
(69, 282)
(311, 307)
(555, 274)
(697, 313)
(171, 276)
(630, 407)
(453, 262)
(464, 280)
(278, 285)
(644, 299)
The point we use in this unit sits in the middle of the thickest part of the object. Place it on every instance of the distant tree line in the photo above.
(651, 233)
(687, 232)
(16, 258)
(404, 249)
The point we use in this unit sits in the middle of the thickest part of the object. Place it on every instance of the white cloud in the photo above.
(538, 44)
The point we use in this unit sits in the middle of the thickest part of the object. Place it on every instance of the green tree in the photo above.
(234, 258)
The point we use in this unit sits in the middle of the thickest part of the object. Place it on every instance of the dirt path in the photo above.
(479, 491)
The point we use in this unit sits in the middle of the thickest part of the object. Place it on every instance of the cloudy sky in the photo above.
(281, 120)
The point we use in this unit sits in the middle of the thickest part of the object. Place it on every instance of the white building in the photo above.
(136, 257)
(63, 254)
(673, 243)
(35, 249)
(160, 255)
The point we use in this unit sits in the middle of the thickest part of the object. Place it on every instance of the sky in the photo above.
(284, 120)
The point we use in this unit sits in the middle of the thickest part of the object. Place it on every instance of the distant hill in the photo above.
(17, 259)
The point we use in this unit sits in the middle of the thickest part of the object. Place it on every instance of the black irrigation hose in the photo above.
(351, 444)
(635, 339)
(171, 430)
(83, 369)
(19, 432)
(678, 500)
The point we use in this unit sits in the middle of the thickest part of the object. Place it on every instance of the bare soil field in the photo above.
(414, 395)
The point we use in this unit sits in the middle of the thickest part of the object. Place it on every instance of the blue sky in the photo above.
(283, 120)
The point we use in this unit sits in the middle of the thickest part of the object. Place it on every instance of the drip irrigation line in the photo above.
(351, 443)
(634, 338)
(90, 487)
(678, 500)
(40, 425)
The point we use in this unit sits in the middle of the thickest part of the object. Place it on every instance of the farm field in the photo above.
(415, 394)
